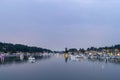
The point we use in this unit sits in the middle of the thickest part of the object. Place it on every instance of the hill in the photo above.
(13, 48)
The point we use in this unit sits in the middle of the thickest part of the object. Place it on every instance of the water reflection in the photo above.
(76, 58)
(66, 57)
(2, 57)
(21, 56)
(105, 60)
(21, 59)
(81, 69)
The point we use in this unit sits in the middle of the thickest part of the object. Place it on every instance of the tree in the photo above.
(8, 47)
(73, 50)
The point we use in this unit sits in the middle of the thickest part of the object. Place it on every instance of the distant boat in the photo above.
(74, 58)
(31, 59)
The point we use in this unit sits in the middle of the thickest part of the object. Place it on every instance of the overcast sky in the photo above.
(56, 24)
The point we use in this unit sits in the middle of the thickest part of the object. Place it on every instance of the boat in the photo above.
(77, 56)
(81, 56)
(31, 59)
(74, 58)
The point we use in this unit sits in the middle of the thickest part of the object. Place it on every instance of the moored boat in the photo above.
(31, 59)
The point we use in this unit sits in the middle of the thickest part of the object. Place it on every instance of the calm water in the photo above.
(56, 68)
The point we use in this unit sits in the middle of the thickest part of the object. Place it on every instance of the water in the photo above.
(57, 68)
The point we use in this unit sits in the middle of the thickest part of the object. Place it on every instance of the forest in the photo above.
(14, 48)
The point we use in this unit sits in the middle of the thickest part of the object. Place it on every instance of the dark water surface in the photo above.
(56, 68)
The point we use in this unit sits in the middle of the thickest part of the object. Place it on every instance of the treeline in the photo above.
(110, 49)
(14, 48)
(76, 50)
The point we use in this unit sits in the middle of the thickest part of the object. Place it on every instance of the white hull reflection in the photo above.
(76, 57)
(31, 59)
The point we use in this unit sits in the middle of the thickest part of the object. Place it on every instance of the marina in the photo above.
(59, 40)
(55, 67)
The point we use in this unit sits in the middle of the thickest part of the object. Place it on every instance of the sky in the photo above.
(57, 24)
